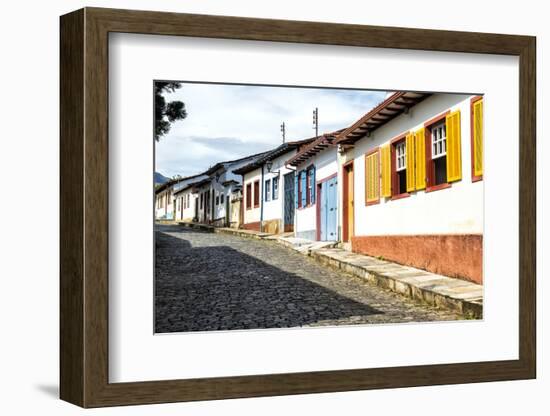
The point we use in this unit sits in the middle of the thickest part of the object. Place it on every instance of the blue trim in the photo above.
(296, 190)
(312, 194)
(303, 188)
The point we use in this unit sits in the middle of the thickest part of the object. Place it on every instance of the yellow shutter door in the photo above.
(454, 159)
(409, 146)
(386, 171)
(420, 158)
(478, 138)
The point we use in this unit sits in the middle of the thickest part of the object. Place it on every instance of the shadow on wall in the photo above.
(220, 288)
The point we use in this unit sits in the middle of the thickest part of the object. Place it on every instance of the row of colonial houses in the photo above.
(403, 183)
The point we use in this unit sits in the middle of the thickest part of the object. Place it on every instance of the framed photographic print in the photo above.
(255, 207)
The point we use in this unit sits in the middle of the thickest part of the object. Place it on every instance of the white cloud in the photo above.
(240, 120)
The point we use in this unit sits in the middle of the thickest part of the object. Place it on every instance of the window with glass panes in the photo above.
(268, 190)
(439, 152)
(275, 190)
(400, 179)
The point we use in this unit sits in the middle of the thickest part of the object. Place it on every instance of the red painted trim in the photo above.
(437, 118)
(318, 212)
(430, 172)
(396, 139)
(334, 175)
(248, 196)
(400, 196)
(475, 178)
(438, 187)
(318, 208)
(373, 150)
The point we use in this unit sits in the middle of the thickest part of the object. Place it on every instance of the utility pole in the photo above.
(316, 121)
(283, 131)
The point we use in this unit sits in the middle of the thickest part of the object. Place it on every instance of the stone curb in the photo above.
(224, 230)
(457, 295)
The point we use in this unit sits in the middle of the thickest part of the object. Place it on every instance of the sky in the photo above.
(226, 122)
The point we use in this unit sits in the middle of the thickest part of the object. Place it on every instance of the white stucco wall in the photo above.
(252, 214)
(274, 209)
(455, 210)
(185, 214)
(166, 209)
(326, 165)
(200, 191)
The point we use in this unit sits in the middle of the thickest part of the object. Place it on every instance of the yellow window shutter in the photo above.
(409, 148)
(478, 138)
(372, 180)
(454, 159)
(367, 178)
(420, 158)
(386, 170)
(376, 175)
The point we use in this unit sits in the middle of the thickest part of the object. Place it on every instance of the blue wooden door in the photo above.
(328, 210)
(323, 211)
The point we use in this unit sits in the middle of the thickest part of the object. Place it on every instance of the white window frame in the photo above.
(400, 156)
(275, 181)
(267, 184)
(439, 144)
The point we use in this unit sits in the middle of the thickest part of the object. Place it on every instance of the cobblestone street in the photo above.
(209, 281)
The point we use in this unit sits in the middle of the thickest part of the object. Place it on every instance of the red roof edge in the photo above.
(342, 136)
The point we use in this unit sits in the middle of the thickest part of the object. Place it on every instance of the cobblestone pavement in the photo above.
(207, 281)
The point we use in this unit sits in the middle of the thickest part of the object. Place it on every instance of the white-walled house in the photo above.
(214, 194)
(164, 208)
(268, 190)
(186, 208)
(316, 183)
(164, 195)
(411, 183)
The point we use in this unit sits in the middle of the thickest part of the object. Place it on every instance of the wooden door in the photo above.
(331, 210)
(288, 192)
(348, 202)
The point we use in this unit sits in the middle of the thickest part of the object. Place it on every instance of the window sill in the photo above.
(477, 178)
(438, 187)
(373, 202)
(400, 196)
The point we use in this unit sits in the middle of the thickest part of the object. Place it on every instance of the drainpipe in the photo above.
(262, 201)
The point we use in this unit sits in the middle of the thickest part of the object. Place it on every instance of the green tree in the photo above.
(166, 113)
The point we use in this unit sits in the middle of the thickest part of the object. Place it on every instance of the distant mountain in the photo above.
(160, 179)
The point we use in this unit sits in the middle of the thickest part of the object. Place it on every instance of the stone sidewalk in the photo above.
(436, 290)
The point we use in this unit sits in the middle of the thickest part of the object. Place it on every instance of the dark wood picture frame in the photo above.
(84, 207)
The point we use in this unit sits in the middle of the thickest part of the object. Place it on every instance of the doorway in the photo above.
(348, 203)
(289, 202)
(327, 229)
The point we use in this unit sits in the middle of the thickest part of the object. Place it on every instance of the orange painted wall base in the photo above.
(270, 226)
(459, 256)
(254, 226)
